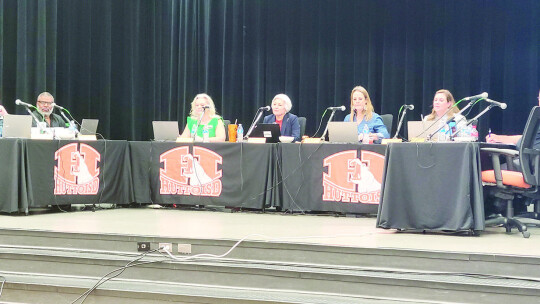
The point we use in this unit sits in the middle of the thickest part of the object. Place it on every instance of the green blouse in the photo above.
(212, 126)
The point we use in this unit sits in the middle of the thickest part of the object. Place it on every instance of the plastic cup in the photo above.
(232, 132)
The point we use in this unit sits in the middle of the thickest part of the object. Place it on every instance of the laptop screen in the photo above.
(421, 129)
(343, 132)
(17, 126)
(89, 126)
(269, 131)
(165, 130)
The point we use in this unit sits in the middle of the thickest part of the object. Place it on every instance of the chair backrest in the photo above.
(302, 122)
(226, 123)
(387, 120)
(529, 149)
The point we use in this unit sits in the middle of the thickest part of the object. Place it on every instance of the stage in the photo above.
(272, 227)
(284, 258)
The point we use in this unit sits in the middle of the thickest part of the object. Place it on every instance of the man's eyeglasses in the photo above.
(46, 103)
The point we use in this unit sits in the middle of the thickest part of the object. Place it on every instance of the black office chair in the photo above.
(387, 120)
(507, 185)
(226, 123)
(302, 122)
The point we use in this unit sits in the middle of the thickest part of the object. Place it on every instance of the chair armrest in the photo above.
(509, 155)
(496, 154)
(531, 151)
(506, 152)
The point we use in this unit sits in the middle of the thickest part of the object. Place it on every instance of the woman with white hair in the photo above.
(288, 123)
(210, 120)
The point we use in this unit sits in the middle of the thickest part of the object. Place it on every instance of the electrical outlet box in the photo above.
(165, 246)
(184, 248)
(143, 246)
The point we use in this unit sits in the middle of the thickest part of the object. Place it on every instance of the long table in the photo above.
(418, 186)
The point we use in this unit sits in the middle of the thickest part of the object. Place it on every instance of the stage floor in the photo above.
(272, 227)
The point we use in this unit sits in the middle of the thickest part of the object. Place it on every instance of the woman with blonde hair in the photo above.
(202, 103)
(363, 114)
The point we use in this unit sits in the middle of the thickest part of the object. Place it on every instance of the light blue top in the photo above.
(375, 125)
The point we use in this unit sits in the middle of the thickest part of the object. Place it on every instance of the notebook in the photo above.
(415, 129)
(269, 131)
(17, 126)
(343, 132)
(165, 130)
(89, 126)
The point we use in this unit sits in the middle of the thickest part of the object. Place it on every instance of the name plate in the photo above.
(38, 135)
(87, 137)
(316, 140)
(184, 139)
(386, 141)
(256, 140)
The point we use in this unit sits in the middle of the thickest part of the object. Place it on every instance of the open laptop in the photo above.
(342, 132)
(415, 129)
(89, 126)
(17, 126)
(165, 130)
(269, 131)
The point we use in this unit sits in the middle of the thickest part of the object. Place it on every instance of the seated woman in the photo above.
(363, 114)
(210, 120)
(288, 123)
(443, 105)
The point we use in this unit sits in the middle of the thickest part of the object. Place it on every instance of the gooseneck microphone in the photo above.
(27, 106)
(57, 106)
(340, 108)
(501, 105)
(266, 108)
(24, 104)
(400, 123)
(482, 95)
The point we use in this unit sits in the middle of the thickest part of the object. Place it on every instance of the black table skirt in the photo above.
(432, 186)
(227, 174)
(320, 177)
(13, 186)
(39, 173)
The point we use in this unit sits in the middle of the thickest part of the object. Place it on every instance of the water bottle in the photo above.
(466, 132)
(240, 133)
(365, 137)
(73, 128)
(205, 135)
(474, 133)
(442, 132)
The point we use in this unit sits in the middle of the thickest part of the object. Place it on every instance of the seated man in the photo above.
(45, 111)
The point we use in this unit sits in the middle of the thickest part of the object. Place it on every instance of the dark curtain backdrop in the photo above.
(128, 62)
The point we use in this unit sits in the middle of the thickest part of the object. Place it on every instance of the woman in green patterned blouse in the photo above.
(210, 120)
